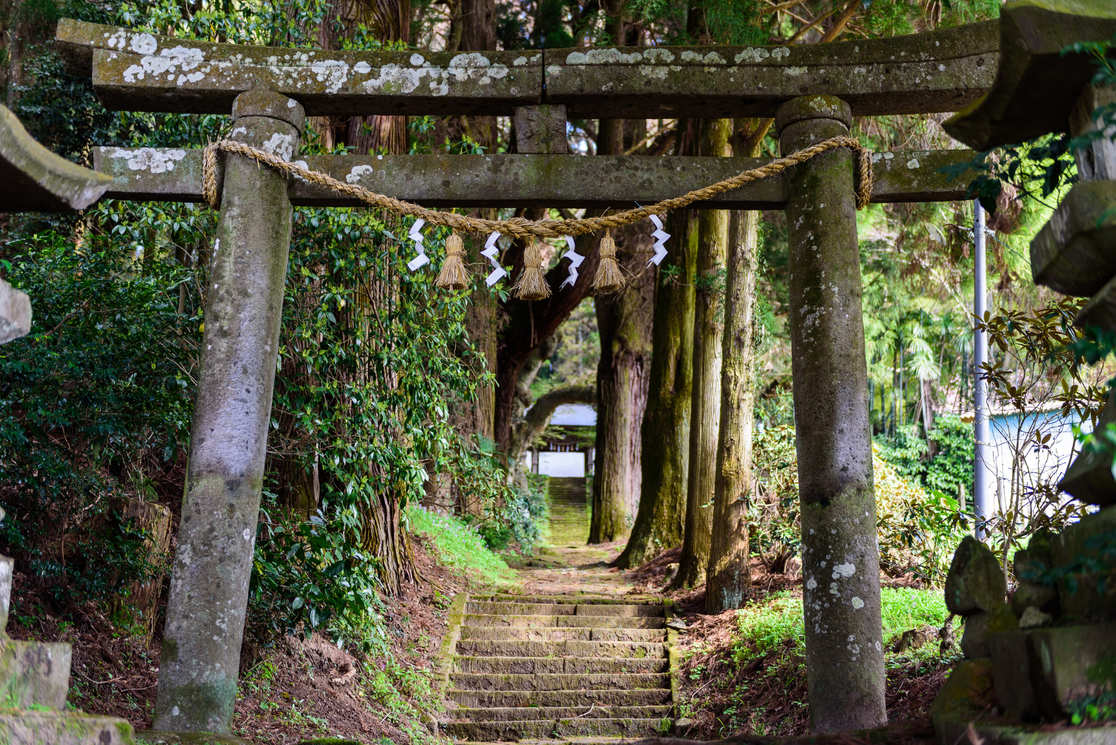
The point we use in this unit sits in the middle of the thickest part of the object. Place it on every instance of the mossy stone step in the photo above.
(573, 598)
(544, 728)
(614, 665)
(563, 609)
(566, 622)
(589, 711)
(557, 682)
(478, 648)
(609, 696)
(63, 728)
(518, 633)
(34, 674)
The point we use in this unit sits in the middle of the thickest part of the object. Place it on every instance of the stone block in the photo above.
(964, 696)
(974, 639)
(1083, 559)
(63, 728)
(975, 581)
(1072, 253)
(154, 737)
(1072, 662)
(7, 567)
(1011, 674)
(15, 313)
(34, 674)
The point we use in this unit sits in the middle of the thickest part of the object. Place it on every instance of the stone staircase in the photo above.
(558, 668)
(34, 682)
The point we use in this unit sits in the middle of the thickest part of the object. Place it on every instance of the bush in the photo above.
(944, 463)
(917, 530)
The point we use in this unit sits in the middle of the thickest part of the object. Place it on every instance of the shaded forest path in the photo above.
(571, 657)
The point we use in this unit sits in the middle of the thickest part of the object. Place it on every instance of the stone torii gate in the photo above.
(812, 91)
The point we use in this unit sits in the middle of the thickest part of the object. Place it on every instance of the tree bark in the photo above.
(666, 422)
(705, 403)
(624, 323)
(538, 416)
(727, 577)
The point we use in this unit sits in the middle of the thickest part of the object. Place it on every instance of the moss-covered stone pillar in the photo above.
(840, 556)
(209, 581)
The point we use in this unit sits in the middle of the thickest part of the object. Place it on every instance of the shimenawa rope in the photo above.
(532, 285)
(522, 228)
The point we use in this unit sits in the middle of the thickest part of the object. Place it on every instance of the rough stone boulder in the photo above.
(975, 582)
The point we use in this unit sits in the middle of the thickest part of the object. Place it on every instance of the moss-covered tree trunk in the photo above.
(713, 228)
(666, 422)
(727, 577)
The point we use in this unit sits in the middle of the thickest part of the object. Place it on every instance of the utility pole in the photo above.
(982, 474)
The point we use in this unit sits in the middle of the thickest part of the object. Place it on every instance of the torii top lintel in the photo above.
(942, 70)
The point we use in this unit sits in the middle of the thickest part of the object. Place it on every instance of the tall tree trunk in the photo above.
(623, 376)
(727, 578)
(706, 393)
(666, 422)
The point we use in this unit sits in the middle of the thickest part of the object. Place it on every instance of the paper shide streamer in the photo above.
(421, 259)
(575, 261)
(490, 251)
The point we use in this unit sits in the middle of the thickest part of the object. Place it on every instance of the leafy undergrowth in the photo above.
(295, 688)
(744, 671)
(460, 547)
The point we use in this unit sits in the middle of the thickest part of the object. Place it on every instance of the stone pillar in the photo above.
(216, 537)
(840, 555)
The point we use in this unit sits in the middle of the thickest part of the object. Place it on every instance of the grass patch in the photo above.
(767, 625)
(460, 547)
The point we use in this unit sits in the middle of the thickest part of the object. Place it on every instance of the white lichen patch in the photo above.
(354, 176)
(332, 73)
(152, 160)
(418, 60)
(280, 144)
(143, 44)
(844, 570)
(658, 55)
(857, 603)
(796, 70)
(170, 62)
(811, 584)
(362, 68)
(604, 57)
(912, 163)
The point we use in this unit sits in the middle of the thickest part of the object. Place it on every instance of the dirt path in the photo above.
(566, 565)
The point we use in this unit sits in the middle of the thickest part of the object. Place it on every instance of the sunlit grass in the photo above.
(460, 547)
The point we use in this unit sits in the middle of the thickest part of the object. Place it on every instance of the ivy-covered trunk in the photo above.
(713, 226)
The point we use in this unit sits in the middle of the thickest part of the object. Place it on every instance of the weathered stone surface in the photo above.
(938, 71)
(63, 728)
(964, 697)
(7, 565)
(1075, 252)
(504, 633)
(1032, 618)
(1071, 663)
(15, 317)
(1086, 574)
(617, 665)
(1032, 572)
(974, 638)
(840, 555)
(564, 682)
(495, 731)
(34, 179)
(975, 581)
(515, 713)
(34, 674)
(1089, 477)
(597, 622)
(541, 129)
(228, 441)
(1097, 162)
(1036, 85)
(570, 648)
(439, 180)
(1010, 652)
(609, 696)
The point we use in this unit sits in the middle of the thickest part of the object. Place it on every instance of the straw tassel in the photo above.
(532, 284)
(454, 275)
(608, 279)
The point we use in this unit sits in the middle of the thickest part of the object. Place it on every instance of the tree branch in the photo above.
(538, 416)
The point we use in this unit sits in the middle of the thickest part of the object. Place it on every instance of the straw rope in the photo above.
(522, 228)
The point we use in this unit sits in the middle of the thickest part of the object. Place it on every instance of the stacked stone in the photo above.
(1052, 647)
(34, 681)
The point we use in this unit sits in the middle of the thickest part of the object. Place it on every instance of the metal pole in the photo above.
(982, 473)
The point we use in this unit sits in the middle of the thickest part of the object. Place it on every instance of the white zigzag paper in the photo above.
(421, 259)
(489, 253)
(660, 237)
(575, 261)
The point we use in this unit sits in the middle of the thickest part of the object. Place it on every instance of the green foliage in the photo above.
(949, 470)
(96, 403)
(460, 546)
(917, 530)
